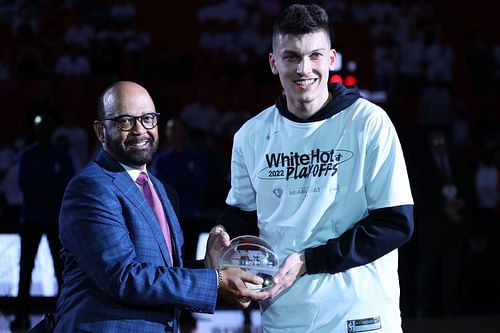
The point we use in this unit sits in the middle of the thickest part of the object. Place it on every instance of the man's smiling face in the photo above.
(303, 63)
(137, 146)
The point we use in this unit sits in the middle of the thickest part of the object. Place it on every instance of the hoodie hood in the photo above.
(342, 97)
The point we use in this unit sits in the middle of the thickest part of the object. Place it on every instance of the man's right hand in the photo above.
(233, 289)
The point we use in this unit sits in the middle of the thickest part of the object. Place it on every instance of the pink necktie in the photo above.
(155, 203)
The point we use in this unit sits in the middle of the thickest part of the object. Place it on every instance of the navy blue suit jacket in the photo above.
(118, 276)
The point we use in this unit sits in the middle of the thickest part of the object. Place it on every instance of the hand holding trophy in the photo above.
(251, 254)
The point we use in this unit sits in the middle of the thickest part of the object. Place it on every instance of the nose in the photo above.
(304, 66)
(138, 127)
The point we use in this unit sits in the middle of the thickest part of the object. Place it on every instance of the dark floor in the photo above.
(472, 324)
(466, 324)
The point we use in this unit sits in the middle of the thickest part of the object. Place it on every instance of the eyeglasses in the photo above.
(126, 122)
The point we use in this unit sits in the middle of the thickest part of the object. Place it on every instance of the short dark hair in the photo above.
(299, 19)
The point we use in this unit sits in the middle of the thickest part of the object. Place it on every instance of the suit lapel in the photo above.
(127, 186)
(173, 222)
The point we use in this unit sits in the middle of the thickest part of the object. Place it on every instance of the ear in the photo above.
(100, 131)
(333, 59)
(272, 63)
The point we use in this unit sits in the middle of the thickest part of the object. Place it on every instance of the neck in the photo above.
(305, 110)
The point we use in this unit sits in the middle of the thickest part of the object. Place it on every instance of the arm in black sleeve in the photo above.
(382, 231)
(238, 222)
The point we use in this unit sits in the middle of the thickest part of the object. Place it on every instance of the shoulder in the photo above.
(91, 176)
(258, 123)
(368, 115)
(366, 108)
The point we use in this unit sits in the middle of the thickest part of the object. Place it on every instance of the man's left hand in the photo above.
(218, 239)
(293, 268)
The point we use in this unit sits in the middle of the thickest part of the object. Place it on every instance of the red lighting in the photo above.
(336, 78)
(350, 80)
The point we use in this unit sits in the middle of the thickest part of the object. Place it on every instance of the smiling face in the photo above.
(136, 147)
(303, 64)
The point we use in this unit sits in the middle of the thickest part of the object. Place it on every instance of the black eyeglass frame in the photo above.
(133, 120)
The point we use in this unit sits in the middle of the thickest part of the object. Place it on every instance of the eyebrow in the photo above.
(298, 53)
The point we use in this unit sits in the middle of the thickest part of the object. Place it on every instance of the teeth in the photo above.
(305, 82)
(140, 143)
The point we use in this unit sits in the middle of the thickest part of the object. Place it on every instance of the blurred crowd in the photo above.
(207, 68)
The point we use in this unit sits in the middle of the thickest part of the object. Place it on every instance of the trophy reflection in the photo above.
(251, 254)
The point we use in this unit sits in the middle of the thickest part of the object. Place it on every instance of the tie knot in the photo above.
(142, 179)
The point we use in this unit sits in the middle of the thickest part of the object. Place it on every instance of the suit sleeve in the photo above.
(99, 230)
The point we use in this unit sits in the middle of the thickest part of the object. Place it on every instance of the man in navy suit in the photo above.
(120, 275)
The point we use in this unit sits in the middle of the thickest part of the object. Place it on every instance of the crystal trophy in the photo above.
(251, 254)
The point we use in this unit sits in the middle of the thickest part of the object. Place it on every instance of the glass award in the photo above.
(251, 254)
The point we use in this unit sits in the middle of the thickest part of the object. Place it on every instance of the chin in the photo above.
(138, 158)
(306, 98)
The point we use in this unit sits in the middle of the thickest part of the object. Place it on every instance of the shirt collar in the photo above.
(133, 173)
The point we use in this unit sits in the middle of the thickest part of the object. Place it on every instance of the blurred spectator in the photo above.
(80, 33)
(201, 113)
(134, 40)
(217, 183)
(439, 58)
(7, 159)
(134, 44)
(385, 60)
(382, 10)
(411, 63)
(77, 138)
(337, 11)
(487, 180)
(442, 190)
(25, 23)
(435, 104)
(123, 12)
(232, 119)
(383, 28)
(460, 128)
(73, 62)
(106, 52)
(12, 197)
(183, 167)
(44, 171)
(224, 11)
(251, 36)
(216, 37)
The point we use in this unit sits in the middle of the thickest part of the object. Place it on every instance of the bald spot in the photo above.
(124, 97)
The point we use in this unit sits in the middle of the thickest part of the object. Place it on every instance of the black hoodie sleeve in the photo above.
(382, 231)
(238, 222)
